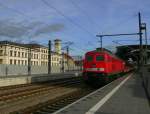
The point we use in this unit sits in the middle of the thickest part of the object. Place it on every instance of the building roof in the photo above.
(68, 56)
(57, 40)
(29, 45)
(12, 43)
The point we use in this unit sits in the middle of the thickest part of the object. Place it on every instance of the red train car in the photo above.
(101, 65)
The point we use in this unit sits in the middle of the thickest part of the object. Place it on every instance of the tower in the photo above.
(57, 44)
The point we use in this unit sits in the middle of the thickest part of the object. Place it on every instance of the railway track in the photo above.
(22, 86)
(13, 87)
(18, 99)
(31, 89)
(56, 104)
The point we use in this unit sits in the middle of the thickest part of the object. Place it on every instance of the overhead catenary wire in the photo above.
(77, 25)
(22, 14)
(85, 14)
(14, 10)
(120, 23)
(19, 13)
(67, 18)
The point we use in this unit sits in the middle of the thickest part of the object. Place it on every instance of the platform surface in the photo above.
(123, 96)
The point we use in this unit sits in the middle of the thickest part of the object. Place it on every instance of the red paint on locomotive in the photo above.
(101, 64)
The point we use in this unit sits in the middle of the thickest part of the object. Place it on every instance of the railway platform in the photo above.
(25, 79)
(125, 95)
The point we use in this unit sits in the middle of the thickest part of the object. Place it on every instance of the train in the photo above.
(101, 66)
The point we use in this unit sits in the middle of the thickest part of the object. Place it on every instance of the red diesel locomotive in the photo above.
(102, 65)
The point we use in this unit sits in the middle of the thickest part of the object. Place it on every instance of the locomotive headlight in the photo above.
(100, 69)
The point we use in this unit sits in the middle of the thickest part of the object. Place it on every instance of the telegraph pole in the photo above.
(101, 42)
(140, 38)
(146, 43)
(67, 47)
(67, 57)
(63, 67)
(29, 60)
(49, 56)
(145, 48)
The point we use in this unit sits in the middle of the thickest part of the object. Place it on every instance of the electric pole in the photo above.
(140, 38)
(63, 67)
(67, 47)
(101, 42)
(146, 43)
(143, 27)
(49, 56)
(29, 60)
(67, 57)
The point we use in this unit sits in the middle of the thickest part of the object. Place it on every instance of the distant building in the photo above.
(17, 54)
(78, 61)
(57, 46)
(69, 62)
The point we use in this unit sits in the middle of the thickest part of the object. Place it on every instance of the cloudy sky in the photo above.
(78, 21)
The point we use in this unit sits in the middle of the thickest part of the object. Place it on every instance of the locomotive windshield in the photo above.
(99, 58)
(89, 58)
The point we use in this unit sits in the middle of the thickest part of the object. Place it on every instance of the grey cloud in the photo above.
(33, 25)
(16, 30)
(49, 29)
(10, 29)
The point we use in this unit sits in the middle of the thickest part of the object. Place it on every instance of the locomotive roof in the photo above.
(103, 50)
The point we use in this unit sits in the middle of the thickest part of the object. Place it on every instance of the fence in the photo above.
(7, 70)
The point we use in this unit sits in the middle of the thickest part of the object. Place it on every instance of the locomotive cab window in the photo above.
(89, 58)
(99, 58)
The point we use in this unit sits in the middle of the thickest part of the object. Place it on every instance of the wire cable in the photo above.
(67, 18)
(14, 10)
(125, 21)
(85, 14)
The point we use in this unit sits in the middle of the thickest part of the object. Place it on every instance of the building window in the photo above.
(22, 62)
(22, 54)
(1, 52)
(15, 53)
(18, 62)
(11, 53)
(31, 55)
(11, 61)
(25, 55)
(25, 62)
(1, 61)
(18, 54)
(34, 56)
(14, 62)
